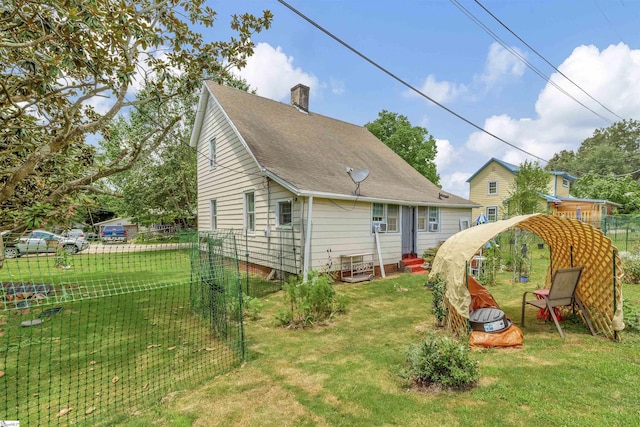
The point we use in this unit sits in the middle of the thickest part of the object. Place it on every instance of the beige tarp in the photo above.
(571, 243)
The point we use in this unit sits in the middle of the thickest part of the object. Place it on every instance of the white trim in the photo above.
(213, 214)
(486, 212)
(245, 213)
(277, 210)
(489, 193)
(233, 126)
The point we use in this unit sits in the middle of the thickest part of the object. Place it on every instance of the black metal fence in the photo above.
(624, 231)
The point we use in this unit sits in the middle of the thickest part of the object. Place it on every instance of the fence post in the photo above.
(246, 256)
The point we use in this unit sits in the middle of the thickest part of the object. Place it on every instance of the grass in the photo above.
(346, 373)
(123, 341)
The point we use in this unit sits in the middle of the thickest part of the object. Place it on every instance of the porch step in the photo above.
(414, 264)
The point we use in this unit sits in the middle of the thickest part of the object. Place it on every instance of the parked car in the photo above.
(113, 233)
(74, 233)
(41, 241)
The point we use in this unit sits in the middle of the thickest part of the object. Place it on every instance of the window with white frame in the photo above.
(393, 218)
(213, 214)
(212, 153)
(492, 187)
(434, 219)
(378, 212)
(565, 182)
(492, 213)
(249, 212)
(284, 213)
(422, 218)
(386, 214)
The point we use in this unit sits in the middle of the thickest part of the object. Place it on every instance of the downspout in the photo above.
(307, 242)
(267, 230)
(379, 253)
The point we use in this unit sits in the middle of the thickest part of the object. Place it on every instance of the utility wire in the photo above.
(545, 59)
(521, 58)
(389, 73)
(609, 22)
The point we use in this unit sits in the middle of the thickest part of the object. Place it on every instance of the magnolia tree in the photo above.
(68, 68)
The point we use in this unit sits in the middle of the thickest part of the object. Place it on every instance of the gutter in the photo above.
(339, 196)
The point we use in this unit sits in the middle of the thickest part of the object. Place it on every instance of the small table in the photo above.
(543, 313)
(356, 267)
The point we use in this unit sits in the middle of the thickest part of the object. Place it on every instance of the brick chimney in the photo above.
(300, 97)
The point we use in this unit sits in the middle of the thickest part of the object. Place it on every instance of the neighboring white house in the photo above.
(279, 172)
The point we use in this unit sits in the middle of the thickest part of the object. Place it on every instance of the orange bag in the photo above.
(482, 298)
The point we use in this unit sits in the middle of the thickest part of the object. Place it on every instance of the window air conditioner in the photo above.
(381, 226)
(433, 226)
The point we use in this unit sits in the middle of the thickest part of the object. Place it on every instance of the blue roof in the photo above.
(565, 175)
(511, 168)
(514, 169)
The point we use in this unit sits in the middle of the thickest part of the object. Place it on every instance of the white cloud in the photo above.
(337, 86)
(612, 76)
(501, 64)
(456, 183)
(273, 75)
(445, 155)
(441, 91)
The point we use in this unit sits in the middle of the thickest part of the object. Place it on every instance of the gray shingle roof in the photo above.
(311, 152)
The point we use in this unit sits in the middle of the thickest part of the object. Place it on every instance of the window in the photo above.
(422, 218)
(213, 212)
(565, 182)
(393, 218)
(492, 187)
(249, 212)
(378, 212)
(283, 212)
(387, 214)
(492, 213)
(212, 154)
(434, 219)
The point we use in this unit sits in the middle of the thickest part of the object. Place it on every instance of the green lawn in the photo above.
(127, 333)
(346, 373)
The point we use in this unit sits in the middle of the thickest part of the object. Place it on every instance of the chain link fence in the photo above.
(89, 335)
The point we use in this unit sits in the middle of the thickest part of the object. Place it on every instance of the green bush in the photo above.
(310, 302)
(441, 361)
(631, 267)
(439, 287)
(251, 308)
(631, 316)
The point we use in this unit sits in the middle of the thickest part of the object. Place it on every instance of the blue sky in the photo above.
(435, 47)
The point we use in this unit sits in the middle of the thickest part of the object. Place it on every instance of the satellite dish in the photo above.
(357, 176)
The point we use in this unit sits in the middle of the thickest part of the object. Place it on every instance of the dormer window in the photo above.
(565, 182)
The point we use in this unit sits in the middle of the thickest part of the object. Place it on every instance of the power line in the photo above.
(389, 73)
(545, 59)
(521, 58)
(609, 22)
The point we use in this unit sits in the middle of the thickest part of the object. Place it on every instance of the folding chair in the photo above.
(562, 293)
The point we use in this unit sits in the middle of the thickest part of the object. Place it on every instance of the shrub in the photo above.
(441, 361)
(251, 308)
(310, 302)
(439, 287)
(631, 267)
(631, 316)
